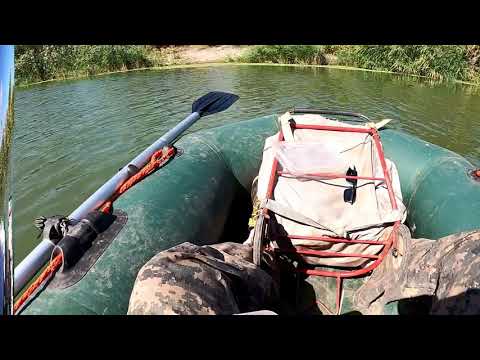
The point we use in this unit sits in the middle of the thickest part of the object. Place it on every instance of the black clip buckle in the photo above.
(350, 194)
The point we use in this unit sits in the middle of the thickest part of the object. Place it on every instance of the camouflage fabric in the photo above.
(202, 280)
(446, 270)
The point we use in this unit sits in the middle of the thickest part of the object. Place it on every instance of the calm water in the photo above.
(71, 136)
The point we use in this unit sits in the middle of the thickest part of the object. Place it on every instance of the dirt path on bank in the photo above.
(198, 54)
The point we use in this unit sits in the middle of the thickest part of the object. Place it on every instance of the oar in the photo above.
(209, 104)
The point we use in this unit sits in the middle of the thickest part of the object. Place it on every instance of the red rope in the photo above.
(156, 161)
(45, 275)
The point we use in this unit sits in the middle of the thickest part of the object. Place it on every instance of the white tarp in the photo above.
(322, 200)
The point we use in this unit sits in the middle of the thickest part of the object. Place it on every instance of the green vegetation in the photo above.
(34, 63)
(5, 152)
(438, 62)
(285, 54)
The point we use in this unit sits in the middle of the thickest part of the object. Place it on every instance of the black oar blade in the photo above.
(213, 102)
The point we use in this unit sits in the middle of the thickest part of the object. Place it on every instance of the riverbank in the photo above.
(438, 63)
(230, 63)
(43, 63)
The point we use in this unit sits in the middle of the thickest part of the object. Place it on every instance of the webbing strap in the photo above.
(378, 125)
(285, 126)
(284, 121)
(291, 214)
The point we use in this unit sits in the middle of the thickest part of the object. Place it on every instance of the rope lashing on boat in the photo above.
(255, 213)
(39, 282)
(157, 160)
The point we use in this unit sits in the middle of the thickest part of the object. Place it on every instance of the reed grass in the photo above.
(437, 62)
(34, 63)
(285, 54)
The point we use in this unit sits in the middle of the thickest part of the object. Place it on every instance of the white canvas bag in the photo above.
(322, 200)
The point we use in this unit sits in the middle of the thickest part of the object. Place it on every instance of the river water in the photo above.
(71, 136)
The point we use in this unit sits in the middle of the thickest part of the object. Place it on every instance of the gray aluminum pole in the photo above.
(6, 137)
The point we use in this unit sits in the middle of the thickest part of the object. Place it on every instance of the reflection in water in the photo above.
(71, 136)
(6, 135)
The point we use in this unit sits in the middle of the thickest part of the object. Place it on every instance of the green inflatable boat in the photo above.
(203, 197)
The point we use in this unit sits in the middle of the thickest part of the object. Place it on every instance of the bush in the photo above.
(104, 58)
(285, 54)
(43, 62)
(436, 62)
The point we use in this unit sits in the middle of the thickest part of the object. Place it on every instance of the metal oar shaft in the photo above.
(109, 188)
(41, 254)
(31, 264)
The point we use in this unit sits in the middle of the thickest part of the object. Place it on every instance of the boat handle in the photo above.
(360, 117)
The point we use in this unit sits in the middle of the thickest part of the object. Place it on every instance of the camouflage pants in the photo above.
(446, 270)
(202, 280)
(222, 279)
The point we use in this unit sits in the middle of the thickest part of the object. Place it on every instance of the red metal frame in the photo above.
(340, 275)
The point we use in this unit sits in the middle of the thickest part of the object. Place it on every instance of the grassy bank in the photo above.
(35, 63)
(438, 62)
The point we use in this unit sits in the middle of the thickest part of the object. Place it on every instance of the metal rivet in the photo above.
(179, 151)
